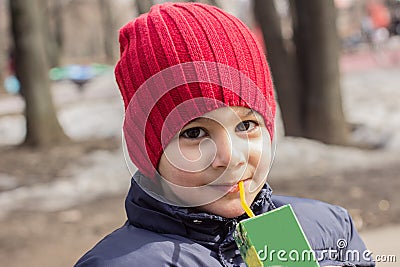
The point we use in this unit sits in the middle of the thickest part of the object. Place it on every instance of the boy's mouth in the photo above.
(232, 188)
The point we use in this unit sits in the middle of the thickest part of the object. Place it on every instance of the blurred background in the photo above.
(63, 177)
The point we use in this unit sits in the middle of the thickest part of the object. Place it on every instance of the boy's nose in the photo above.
(230, 153)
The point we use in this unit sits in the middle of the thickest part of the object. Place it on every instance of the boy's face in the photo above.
(204, 162)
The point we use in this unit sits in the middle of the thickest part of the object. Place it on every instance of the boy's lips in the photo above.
(232, 188)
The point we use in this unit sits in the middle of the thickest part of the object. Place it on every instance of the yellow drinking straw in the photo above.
(246, 208)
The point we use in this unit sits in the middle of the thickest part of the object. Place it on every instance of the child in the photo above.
(199, 118)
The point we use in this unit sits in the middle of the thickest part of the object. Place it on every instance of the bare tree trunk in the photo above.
(318, 53)
(283, 66)
(108, 29)
(57, 12)
(50, 43)
(3, 63)
(212, 2)
(208, 2)
(143, 6)
(42, 126)
(4, 51)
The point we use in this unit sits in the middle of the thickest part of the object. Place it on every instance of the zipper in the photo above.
(230, 228)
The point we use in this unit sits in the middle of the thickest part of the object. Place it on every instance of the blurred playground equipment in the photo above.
(78, 74)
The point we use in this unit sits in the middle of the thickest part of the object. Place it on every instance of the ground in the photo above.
(30, 166)
(32, 238)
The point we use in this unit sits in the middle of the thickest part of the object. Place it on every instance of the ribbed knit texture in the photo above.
(199, 44)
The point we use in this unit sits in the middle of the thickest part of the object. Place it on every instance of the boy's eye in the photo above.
(245, 126)
(193, 133)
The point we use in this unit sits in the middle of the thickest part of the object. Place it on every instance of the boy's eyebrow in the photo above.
(250, 112)
(197, 119)
(240, 113)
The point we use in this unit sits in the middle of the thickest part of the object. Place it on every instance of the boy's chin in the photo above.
(226, 210)
(231, 213)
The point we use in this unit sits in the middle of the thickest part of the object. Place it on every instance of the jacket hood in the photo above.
(146, 212)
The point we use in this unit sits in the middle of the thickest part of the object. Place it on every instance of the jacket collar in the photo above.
(146, 212)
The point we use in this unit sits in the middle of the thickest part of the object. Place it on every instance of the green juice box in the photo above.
(274, 239)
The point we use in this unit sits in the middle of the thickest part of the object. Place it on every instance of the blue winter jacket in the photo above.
(158, 234)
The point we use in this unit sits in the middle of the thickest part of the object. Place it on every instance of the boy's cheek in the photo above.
(260, 153)
(188, 157)
(261, 164)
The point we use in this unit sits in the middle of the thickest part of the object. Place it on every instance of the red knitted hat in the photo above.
(182, 60)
